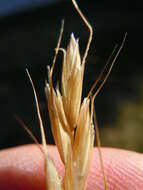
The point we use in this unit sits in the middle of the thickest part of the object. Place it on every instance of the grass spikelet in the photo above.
(72, 120)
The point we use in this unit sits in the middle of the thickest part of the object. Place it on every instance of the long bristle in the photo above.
(99, 150)
(101, 73)
(38, 113)
(89, 29)
(53, 181)
(58, 46)
(111, 66)
(29, 132)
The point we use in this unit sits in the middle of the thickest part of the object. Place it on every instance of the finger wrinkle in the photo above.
(23, 168)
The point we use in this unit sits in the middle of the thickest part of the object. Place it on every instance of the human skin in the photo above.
(22, 168)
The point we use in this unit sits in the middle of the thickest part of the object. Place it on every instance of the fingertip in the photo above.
(123, 170)
(23, 168)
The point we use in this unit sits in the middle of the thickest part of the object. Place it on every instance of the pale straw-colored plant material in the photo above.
(71, 119)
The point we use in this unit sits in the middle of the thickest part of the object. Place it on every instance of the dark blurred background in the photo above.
(28, 35)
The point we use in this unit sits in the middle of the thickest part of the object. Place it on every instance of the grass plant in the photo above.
(73, 120)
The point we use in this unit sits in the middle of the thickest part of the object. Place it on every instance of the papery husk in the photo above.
(53, 180)
(83, 144)
(60, 136)
(72, 82)
(71, 121)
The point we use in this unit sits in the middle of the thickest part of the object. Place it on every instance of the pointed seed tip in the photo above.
(72, 35)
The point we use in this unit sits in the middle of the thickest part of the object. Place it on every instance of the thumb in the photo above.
(23, 168)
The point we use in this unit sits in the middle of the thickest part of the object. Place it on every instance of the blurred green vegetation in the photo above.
(127, 130)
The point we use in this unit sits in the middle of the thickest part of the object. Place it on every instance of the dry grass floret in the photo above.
(72, 120)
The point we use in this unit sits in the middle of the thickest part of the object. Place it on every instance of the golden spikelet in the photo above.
(72, 82)
(71, 122)
(71, 119)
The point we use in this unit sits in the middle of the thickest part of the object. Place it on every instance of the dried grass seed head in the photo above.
(67, 113)
(72, 82)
